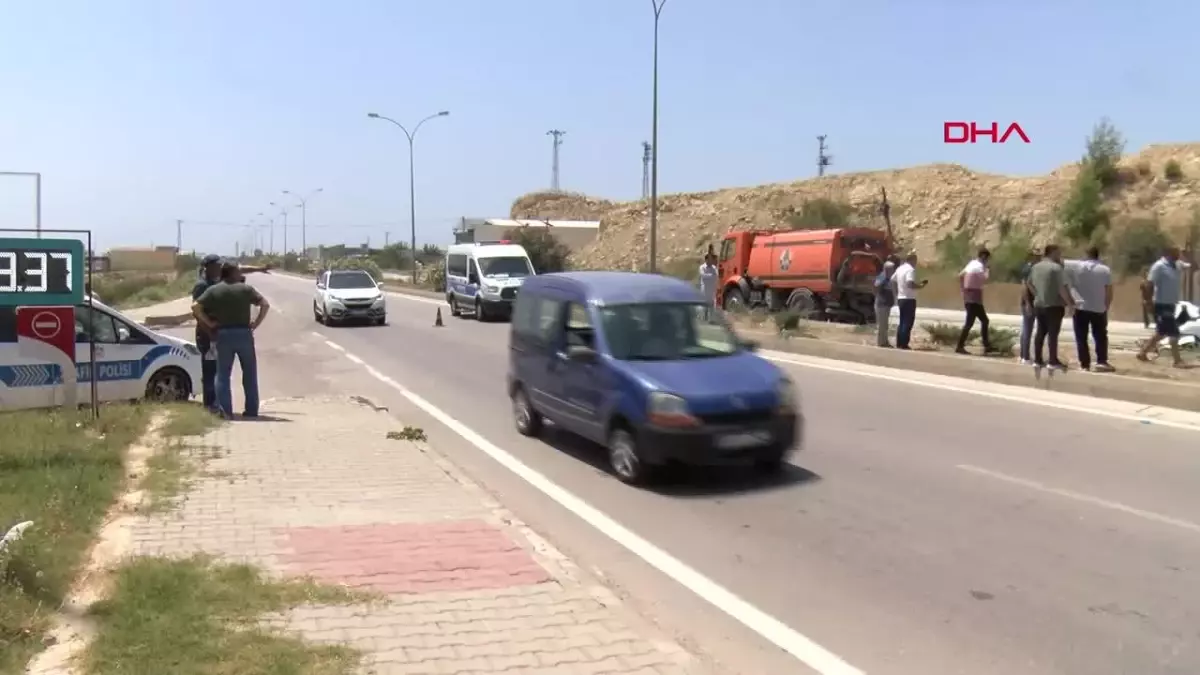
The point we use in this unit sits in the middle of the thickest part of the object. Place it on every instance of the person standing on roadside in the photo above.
(708, 283)
(1164, 296)
(1051, 300)
(1027, 312)
(885, 297)
(972, 279)
(224, 309)
(210, 274)
(1091, 287)
(907, 285)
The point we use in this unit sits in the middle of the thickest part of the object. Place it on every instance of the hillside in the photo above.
(927, 203)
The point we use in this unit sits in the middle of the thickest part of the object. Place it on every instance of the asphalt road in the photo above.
(920, 531)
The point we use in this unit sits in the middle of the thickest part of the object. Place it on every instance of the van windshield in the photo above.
(506, 266)
(666, 332)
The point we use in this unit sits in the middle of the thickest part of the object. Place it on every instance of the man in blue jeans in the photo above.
(210, 275)
(224, 311)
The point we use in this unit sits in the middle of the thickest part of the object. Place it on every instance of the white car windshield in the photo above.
(351, 280)
(508, 266)
(666, 332)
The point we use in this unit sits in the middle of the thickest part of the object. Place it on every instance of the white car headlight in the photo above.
(333, 301)
(379, 300)
(785, 394)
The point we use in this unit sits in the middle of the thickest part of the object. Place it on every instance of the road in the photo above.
(920, 531)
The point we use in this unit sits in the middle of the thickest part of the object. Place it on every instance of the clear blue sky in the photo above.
(141, 112)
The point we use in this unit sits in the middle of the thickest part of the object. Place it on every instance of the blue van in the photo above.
(640, 364)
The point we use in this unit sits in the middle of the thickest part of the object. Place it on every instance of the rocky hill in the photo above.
(927, 203)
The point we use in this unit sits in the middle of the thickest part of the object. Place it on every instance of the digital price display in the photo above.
(41, 272)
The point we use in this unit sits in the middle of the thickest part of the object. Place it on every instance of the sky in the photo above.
(139, 113)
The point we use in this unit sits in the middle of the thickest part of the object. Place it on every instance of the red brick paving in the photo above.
(411, 557)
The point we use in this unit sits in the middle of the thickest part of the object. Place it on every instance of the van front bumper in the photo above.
(709, 445)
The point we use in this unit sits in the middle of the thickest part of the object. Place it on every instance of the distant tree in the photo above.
(1104, 149)
(820, 214)
(1084, 214)
(546, 252)
(1172, 171)
(1138, 244)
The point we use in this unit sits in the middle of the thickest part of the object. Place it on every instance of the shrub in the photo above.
(1138, 245)
(1172, 171)
(1010, 255)
(790, 324)
(1002, 340)
(820, 214)
(365, 264)
(955, 249)
(1104, 149)
(435, 276)
(546, 252)
(946, 335)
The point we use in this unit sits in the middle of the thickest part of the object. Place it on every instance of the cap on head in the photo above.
(210, 259)
(229, 270)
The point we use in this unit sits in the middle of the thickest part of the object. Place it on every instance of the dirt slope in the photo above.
(928, 202)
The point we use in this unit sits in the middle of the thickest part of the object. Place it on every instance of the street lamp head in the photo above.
(319, 190)
(287, 192)
(373, 115)
(444, 113)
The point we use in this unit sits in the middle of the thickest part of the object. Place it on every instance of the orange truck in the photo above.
(821, 274)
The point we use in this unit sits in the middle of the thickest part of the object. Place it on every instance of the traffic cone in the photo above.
(437, 323)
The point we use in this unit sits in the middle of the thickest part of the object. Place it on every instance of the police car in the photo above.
(482, 278)
(132, 362)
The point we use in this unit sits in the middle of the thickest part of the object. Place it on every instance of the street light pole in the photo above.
(412, 189)
(37, 192)
(303, 217)
(658, 7)
(283, 212)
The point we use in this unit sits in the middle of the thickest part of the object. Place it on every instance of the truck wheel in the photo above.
(803, 302)
(733, 301)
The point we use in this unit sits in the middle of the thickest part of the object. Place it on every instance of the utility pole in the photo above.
(823, 160)
(557, 134)
(386, 236)
(646, 151)
(178, 237)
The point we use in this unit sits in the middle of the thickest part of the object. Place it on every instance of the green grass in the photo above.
(62, 470)
(197, 617)
(180, 457)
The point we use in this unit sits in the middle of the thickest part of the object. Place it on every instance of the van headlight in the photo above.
(488, 288)
(785, 395)
(669, 410)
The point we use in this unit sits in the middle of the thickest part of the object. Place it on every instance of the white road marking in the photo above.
(1086, 499)
(781, 635)
(885, 373)
(1011, 398)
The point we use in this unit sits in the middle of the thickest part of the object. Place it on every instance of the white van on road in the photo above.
(483, 277)
(132, 363)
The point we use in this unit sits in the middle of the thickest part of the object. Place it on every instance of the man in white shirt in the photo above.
(709, 278)
(972, 279)
(905, 280)
(1091, 285)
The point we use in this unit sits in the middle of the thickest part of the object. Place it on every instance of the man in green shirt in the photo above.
(223, 310)
(1051, 299)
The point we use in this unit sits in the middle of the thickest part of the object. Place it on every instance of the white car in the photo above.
(132, 363)
(346, 295)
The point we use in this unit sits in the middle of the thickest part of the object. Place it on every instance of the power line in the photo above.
(557, 134)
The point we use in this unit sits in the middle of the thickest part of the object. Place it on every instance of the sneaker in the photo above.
(1102, 368)
(1061, 367)
(1026, 362)
(960, 350)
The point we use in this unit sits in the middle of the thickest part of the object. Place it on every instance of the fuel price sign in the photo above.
(41, 272)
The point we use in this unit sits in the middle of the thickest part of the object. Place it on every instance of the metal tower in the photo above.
(646, 153)
(557, 134)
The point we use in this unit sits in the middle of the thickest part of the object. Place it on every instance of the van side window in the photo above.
(580, 332)
(92, 325)
(728, 249)
(525, 314)
(549, 320)
(456, 265)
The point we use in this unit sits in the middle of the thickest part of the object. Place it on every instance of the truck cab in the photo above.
(821, 274)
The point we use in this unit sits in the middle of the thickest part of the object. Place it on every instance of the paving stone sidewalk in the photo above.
(322, 491)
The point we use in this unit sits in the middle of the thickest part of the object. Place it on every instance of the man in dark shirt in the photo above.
(224, 309)
(210, 274)
(1027, 314)
(1051, 300)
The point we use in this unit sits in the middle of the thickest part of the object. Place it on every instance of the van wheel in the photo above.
(624, 459)
(527, 420)
(168, 385)
(454, 310)
(480, 314)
